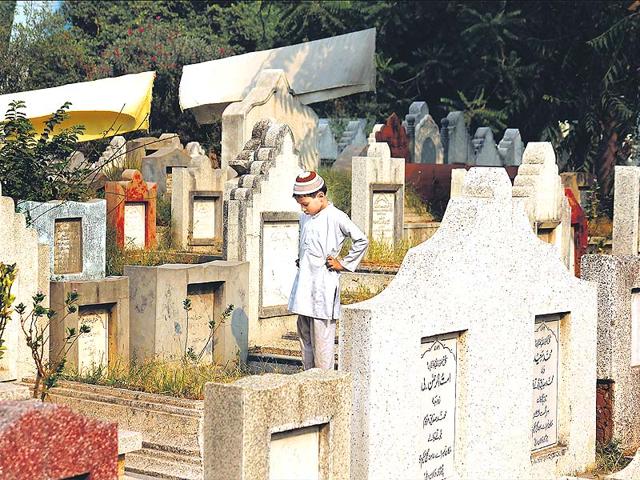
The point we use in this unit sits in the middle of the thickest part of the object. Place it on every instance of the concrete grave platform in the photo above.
(104, 306)
(160, 325)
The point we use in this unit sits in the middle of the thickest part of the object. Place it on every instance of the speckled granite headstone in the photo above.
(47, 441)
(444, 359)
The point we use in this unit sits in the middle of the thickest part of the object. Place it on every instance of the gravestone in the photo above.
(270, 97)
(377, 194)
(75, 233)
(548, 209)
(618, 280)
(511, 148)
(345, 158)
(196, 205)
(131, 210)
(440, 364)
(626, 211)
(286, 426)
(485, 151)
(428, 144)
(327, 145)
(455, 139)
(159, 166)
(260, 214)
(115, 153)
(19, 245)
(353, 134)
(194, 149)
(417, 111)
(43, 440)
(160, 326)
(103, 304)
(372, 136)
(395, 135)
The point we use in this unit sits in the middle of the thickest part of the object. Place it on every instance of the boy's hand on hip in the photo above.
(334, 265)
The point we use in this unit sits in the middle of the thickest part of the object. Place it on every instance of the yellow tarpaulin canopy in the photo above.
(106, 107)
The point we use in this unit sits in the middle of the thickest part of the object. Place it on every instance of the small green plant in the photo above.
(338, 188)
(163, 210)
(7, 277)
(35, 326)
(610, 457)
(189, 352)
(360, 294)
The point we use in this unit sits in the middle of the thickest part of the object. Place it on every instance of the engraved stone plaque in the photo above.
(202, 296)
(67, 246)
(295, 454)
(382, 219)
(134, 224)
(635, 328)
(438, 400)
(204, 217)
(280, 251)
(93, 347)
(169, 179)
(544, 430)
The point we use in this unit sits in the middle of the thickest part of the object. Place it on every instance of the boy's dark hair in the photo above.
(323, 189)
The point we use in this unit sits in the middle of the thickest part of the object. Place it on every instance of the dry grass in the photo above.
(609, 458)
(382, 254)
(179, 378)
(360, 294)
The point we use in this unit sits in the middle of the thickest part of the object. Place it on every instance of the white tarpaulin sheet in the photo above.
(317, 71)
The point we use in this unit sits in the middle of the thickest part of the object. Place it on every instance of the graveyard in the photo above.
(185, 185)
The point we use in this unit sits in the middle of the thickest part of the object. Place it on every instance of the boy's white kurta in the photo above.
(315, 290)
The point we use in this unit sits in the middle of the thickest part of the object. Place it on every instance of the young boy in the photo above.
(315, 295)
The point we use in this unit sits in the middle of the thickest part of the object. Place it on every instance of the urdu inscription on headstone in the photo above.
(382, 211)
(280, 251)
(93, 347)
(438, 400)
(544, 431)
(204, 217)
(67, 244)
(134, 224)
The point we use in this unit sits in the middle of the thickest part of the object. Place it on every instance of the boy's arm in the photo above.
(359, 244)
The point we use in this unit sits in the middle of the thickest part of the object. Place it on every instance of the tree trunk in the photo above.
(607, 160)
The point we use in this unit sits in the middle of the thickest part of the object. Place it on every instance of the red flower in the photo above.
(129, 32)
(154, 58)
(141, 29)
(157, 17)
(221, 51)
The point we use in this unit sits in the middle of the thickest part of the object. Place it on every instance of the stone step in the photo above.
(160, 463)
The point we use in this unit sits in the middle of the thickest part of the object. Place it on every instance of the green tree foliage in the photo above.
(530, 65)
(36, 167)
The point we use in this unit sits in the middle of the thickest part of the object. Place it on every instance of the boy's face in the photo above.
(312, 204)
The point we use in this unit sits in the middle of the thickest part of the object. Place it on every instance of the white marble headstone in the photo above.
(382, 224)
(279, 254)
(295, 454)
(545, 383)
(438, 400)
(67, 246)
(134, 224)
(93, 347)
(204, 218)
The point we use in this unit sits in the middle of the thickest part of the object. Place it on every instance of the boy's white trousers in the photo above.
(317, 342)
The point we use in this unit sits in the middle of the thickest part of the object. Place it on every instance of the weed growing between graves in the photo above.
(360, 294)
(381, 254)
(163, 210)
(178, 378)
(338, 188)
(610, 458)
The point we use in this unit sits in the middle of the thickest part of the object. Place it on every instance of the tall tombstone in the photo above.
(75, 233)
(428, 146)
(196, 205)
(131, 210)
(327, 145)
(261, 225)
(455, 139)
(430, 384)
(270, 97)
(395, 135)
(417, 111)
(485, 151)
(19, 245)
(540, 185)
(159, 166)
(618, 409)
(511, 148)
(626, 211)
(194, 149)
(374, 130)
(353, 134)
(377, 194)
